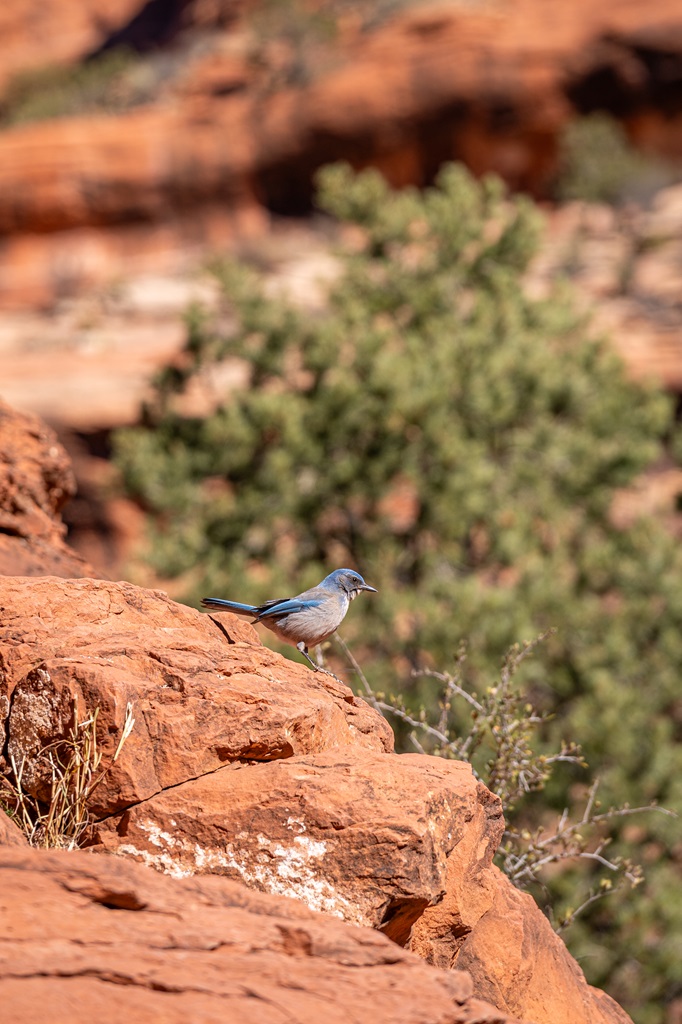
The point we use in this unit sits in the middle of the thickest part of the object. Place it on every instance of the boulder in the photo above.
(97, 938)
(358, 834)
(204, 691)
(486, 926)
(361, 836)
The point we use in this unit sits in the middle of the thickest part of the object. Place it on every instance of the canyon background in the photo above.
(141, 142)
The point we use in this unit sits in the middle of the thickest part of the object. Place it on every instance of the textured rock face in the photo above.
(35, 481)
(455, 69)
(360, 835)
(487, 927)
(205, 692)
(246, 765)
(100, 939)
(62, 29)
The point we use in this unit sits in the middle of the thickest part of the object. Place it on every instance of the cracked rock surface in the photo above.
(358, 834)
(86, 938)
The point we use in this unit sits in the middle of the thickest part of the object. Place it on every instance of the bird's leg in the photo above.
(316, 668)
(304, 651)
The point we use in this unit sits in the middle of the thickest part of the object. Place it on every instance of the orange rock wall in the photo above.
(492, 86)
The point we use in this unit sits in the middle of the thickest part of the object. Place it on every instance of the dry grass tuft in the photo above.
(74, 765)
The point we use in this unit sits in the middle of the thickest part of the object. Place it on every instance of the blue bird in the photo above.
(307, 619)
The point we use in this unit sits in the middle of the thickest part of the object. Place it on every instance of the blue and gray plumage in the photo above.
(307, 619)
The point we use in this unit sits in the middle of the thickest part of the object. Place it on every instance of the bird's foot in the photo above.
(328, 673)
(316, 667)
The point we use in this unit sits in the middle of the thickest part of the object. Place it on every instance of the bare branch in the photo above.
(502, 725)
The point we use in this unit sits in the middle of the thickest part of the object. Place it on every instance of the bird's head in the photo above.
(349, 581)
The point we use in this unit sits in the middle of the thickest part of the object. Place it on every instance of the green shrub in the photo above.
(460, 442)
(112, 83)
(497, 732)
(599, 164)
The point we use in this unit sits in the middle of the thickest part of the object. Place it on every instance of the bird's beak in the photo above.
(366, 586)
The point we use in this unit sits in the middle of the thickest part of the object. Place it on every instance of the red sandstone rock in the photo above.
(357, 834)
(63, 31)
(35, 482)
(329, 816)
(10, 834)
(487, 927)
(204, 690)
(377, 841)
(96, 938)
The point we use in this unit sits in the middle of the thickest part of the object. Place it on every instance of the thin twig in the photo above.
(358, 671)
(504, 722)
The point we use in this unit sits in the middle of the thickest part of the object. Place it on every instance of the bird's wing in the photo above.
(287, 606)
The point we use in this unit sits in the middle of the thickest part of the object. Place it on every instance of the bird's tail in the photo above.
(233, 606)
